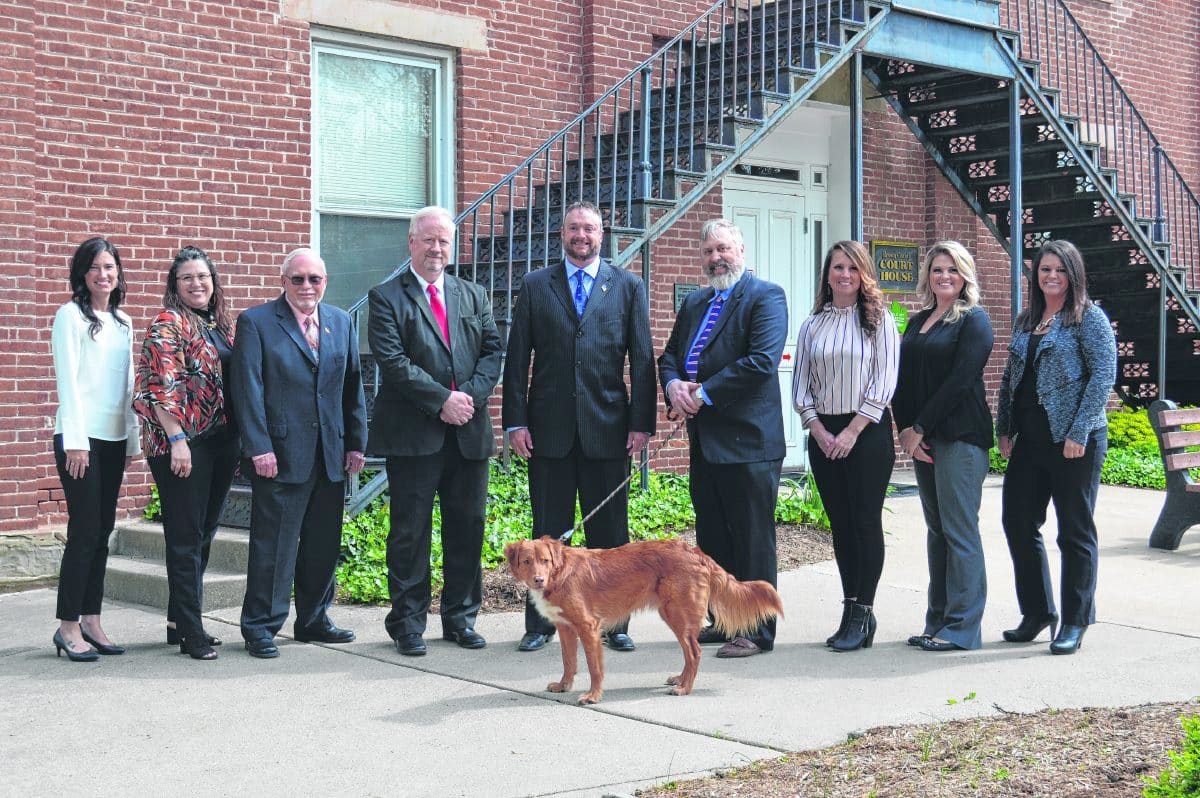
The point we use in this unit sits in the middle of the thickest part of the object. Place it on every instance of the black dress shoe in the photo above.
(411, 645)
(711, 634)
(929, 644)
(619, 641)
(1030, 627)
(466, 638)
(916, 640)
(1069, 639)
(262, 647)
(329, 634)
(534, 641)
(108, 649)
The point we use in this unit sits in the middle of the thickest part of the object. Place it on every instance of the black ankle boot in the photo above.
(860, 630)
(846, 605)
(1030, 627)
(1069, 639)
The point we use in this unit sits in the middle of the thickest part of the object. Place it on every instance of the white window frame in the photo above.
(400, 52)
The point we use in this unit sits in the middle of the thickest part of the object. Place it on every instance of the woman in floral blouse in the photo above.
(191, 441)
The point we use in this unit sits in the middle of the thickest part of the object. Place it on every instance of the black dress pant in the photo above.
(191, 509)
(1038, 474)
(735, 521)
(852, 490)
(554, 483)
(91, 515)
(461, 488)
(295, 536)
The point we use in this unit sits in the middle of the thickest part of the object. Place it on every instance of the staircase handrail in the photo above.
(1142, 164)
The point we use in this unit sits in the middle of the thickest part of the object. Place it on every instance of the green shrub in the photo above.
(153, 511)
(1134, 467)
(1180, 779)
(1130, 428)
(662, 510)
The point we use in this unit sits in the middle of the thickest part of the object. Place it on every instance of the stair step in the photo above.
(143, 581)
(144, 540)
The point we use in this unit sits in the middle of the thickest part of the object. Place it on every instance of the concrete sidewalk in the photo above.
(362, 720)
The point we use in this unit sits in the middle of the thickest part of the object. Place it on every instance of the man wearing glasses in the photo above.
(298, 398)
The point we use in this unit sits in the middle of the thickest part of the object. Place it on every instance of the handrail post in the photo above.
(1159, 217)
(1162, 338)
(647, 180)
(1016, 210)
(856, 147)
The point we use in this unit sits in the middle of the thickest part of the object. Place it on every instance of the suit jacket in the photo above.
(739, 369)
(417, 368)
(284, 398)
(578, 384)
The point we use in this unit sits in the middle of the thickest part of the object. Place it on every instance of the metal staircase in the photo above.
(1090, 170)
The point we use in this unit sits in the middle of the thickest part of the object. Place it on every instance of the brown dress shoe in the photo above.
(738, 647)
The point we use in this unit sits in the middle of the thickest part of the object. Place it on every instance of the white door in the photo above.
(771, 216)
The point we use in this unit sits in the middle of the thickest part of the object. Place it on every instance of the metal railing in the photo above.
(626, 150)
(1051, 35)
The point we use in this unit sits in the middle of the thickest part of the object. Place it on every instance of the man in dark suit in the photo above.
(720, 368)
(582, 321)
(298, 397)
(438, 351)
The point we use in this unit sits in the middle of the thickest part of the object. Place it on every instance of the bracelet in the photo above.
(182, 436)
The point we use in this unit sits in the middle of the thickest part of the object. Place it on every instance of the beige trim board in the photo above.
(385, 18)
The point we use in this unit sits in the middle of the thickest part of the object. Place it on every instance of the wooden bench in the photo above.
(1181, 510)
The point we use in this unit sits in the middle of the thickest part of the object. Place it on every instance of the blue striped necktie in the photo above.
(580, 296)
(692, 364)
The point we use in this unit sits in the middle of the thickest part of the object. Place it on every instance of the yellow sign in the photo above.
(897, 264)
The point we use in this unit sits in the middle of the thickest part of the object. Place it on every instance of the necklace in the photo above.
(1044, 324)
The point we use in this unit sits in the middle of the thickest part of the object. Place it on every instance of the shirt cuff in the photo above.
(514, 429)
(703, 394)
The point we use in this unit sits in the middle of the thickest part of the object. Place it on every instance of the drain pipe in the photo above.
(1016, 210)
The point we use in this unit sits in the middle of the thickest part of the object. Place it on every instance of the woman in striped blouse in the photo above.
(847, 356)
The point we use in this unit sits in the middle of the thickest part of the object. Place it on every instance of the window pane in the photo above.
(359, 252)
(375, 134)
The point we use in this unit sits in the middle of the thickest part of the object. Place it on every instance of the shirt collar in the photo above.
(439, 283)
(591, 269)
(725, 294)
(301, 316)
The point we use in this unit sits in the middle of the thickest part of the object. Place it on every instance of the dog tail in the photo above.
(739, 607)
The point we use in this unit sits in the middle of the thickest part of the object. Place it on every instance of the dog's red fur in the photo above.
(583, 591)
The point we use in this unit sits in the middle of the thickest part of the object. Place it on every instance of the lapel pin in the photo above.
(328, 331)
(604, 287)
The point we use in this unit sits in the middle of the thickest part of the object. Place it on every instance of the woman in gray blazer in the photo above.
(1051, 425)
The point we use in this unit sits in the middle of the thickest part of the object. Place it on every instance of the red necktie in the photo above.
(439, 313)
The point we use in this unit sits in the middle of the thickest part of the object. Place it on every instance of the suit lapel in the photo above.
(412, 287)
(453, 309)
(600, 290)
(735, 296)
(287, 320)
(558, 282)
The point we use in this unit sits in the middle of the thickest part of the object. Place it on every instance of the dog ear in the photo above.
(512, 553)
(556, 552)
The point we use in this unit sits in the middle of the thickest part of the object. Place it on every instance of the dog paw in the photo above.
(674, 679)
(558, 687)
(679, 690)
(589, 698)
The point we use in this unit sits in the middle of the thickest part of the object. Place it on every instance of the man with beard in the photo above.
(580, 321)
(720, 368)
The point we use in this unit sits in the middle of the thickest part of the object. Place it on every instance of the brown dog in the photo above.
(582, 591)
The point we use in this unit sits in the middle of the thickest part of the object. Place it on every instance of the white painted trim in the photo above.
(392, 20)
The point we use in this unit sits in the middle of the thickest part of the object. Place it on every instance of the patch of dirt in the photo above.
(794, 545)
(1072, 753)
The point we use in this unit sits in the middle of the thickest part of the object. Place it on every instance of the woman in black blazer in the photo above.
(945, 426)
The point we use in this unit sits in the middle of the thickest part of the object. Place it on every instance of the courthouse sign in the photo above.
(896, 264)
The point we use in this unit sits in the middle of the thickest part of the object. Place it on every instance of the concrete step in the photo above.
(137, 572)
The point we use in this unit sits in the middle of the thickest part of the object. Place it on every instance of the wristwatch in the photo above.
(181, 436)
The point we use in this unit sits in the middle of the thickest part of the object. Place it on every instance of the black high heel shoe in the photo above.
(60, 646)
(173, 637)
(841, 630)
(860, 630)
(103, 648)
(1069, 639)
(1030, 627)
(197, 648)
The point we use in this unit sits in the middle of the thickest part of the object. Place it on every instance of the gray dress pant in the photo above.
(951, 489)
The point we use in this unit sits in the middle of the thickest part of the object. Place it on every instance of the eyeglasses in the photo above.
(199, 277)
(301, 279)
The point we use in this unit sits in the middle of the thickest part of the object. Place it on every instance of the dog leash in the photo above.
(565, 537)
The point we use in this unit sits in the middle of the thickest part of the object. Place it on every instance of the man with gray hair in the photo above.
(298, 397)
(438, 351)
(720, 369)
